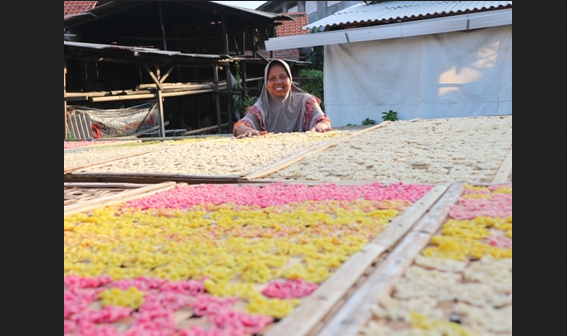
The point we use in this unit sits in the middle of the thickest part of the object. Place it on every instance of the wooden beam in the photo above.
(356, 311)
(64, 98)
(162, 79)
(503, 173)
(156, 79)
(217, 97)
(149, 178)
(203, 129)
(319, 305)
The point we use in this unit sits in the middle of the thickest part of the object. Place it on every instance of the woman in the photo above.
(282, 107)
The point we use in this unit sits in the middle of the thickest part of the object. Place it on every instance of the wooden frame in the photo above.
(320, 304)
(505, 170)
(126, 195)
(299, 156)
(356, 310)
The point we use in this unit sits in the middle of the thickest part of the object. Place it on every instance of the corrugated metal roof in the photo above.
(395, 11)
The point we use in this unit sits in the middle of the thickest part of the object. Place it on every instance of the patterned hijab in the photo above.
(282, 114)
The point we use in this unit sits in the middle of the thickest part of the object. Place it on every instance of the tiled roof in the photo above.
(76, 7)
(290, 28)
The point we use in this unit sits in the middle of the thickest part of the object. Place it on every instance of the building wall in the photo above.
(316, 10)
(456, 74)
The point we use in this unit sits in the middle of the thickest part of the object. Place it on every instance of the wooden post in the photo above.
(217, 96)
(162, 27)
(65, 96)
(160, 103)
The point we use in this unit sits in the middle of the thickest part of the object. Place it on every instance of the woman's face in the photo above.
(279, 83)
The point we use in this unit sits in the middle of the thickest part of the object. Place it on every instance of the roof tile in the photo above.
(76, 7)
(290, 28)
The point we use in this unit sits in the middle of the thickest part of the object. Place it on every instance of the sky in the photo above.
(245, 4)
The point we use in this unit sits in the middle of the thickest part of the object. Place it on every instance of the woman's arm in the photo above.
(250, 125)
(314, 118)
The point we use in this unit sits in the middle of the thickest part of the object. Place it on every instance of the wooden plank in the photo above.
(102, 185)
(356, 311)
(288, 161)
(148, 178)
(127, 195)
(204, 129)
(505, 170)
(315, 308)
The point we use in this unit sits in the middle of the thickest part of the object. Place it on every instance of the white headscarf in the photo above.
(282, 114)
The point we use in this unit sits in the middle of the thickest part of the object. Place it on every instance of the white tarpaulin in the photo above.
(456, 74)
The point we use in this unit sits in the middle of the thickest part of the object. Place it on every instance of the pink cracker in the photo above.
(501, 242)
(213, 331)
(275, 194)
(295, 288)
(75, 281)
(252, 324)
(107, 314)
(207, 304)
(169, 300)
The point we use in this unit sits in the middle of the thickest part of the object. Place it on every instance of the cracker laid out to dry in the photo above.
(93, 154)
(417, 151)
(227, 157)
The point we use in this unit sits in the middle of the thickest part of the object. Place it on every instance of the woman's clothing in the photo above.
(298, 111)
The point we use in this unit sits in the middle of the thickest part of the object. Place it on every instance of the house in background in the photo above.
(290, 28)
(315, 10)
(421, 59)
(303, 12)
(71, 8)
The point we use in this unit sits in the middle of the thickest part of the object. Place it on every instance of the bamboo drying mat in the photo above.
(74, 175)
(332, 294)
(114, 159)
(81, 197)
(334, 291)
(356, 311)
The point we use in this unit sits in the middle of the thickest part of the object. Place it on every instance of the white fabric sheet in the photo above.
(457, 74)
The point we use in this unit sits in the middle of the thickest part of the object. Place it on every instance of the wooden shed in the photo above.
(181, 54)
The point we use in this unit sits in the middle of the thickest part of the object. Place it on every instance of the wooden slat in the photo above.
(315, 308)
(148, 178)
(505, 170)
(102, 185)
(127, 195)
(356, 311)
(288, 161)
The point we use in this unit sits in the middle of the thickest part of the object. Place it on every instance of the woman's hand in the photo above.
(321, 127)
(247, 132)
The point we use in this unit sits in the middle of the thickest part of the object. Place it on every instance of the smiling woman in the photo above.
(282, 107)
(244, 4)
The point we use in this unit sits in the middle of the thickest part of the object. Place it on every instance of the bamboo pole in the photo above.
(149, 178)
(65, 96)
(505, 169)
(217, 97)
